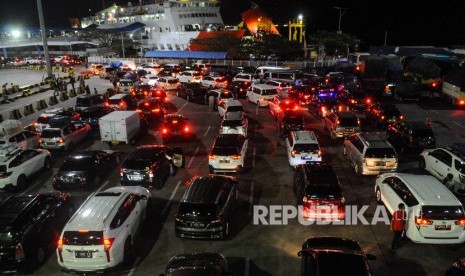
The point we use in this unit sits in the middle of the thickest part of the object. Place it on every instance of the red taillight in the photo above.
(121, 171)
(382, 117)
(61, 141)
(235, 157)
(460, 222)
(186, 129)
(422, 221)
(307, 97)
(323, 108)
(146, 104)
(296, 107)
(165, 131)
(165, 99)
(401, 117)
(150, 172)
(36, 124)
(19, 252)
(320, 153)
(138, 110)
(175, 121)
(40, 141)
(156, 110)
(368, 101)
(107, 104)
(434, 84)
(121, 104)
(462, 102)
(357, 68)
(107, 243)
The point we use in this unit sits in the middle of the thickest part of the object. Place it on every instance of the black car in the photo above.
(89, 102)
(92, 115)
(193, 92)
(239, 88)
(206, 207)
(457, 268)
(333, 256)
(85, 169)
(153, 109)
(196, 264)
(290, 120)
(30, 226)
(143, 91)
(320, 107)
(381, 115)
(150, 166)
(411, 136)
(302, 93)
(176, 126)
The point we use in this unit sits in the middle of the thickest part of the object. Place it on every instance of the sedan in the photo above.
(85, 169)
(214, 82)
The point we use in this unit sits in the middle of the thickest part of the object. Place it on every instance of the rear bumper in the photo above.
(377, 170)
(236, 169)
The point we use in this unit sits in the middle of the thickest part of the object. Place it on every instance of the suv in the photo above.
(24, 139)
(176, 126)
(28, 226)
(415, 136)
(261, 94)
(220, 95)
(281, 87)
(150, 166)
(126, 86)
(43, 121)
(64, 137)
(320, 107)
(234, 122)
(89, 102)
(317, 188)
(334, 256)
(447, 165)
(381, 115)
(193, 92)
(229, 105)
(239, 88)
(206, 208)
(290, 120)
(197, 263)
(434, 214)
(168, 83)
(190, 76)
(121, 102)
(342, 124)
(17, 166)
(280, 104)
(228, 153)
(97, 240)
(302, 147)
(85, 169)
(370, 154)
(153, 109)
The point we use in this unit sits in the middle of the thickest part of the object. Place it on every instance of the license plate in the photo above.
(442, 227)
(306, 157)
(51, 143)
(135, 177)
(196, 224)
(115, 142)
(83, 254)
(224, 161)
(380, 163)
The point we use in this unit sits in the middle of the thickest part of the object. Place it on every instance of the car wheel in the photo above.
(225, 230)
(128, 252)
(40, 255)
(47, 163)
(378, 196)
(21, 183)
(422, 164)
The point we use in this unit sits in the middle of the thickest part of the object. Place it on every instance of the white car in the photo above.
(261, 94)
(302, 147)
(434, 214)
(447, 165)
(149, 79)
(102, 232)
(17, 166)
(168, 83)
(228, 153)
(214, 82)
(190, 76)
(229, 105)
(234, 122)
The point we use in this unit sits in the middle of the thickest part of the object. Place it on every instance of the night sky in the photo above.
(407, 22)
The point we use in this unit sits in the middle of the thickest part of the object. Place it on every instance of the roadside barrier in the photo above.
(63, 96)
(41, 105)
(26, 93)
(72, 93)
(15, 114)
(1, 118)
(28, 110)
(53, 100)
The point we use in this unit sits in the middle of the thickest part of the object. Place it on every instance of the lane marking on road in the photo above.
(193, 156)
(181, 107)
(251, 197)
(458, 124)
(247, 267)
(253, 156)
(206, 132)
(133, 268)
(167, 205)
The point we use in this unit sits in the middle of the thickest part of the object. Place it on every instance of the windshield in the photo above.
(50, 133)
(83, 238)
(77, 164)
(323, 192)
(380, 153)
(83, 102)
(348, 122)
(114, 101)
(43, 119)
(422, 133)
(442, 212)
(172, 81)
(195, 271)
(232, 123)
(235, 108)
(269, 92)
(224, 151)
(197, 210)
(306, 148)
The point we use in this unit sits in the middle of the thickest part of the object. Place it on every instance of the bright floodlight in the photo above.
(300, 17)
(15, 33)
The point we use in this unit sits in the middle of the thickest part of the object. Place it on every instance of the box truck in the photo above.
(119, 127)
(453, 87)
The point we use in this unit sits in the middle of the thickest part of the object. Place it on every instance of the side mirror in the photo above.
(302, 253)
(144, 197)
(371, 257)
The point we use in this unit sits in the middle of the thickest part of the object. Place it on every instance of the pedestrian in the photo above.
(55, 87)
(398, 225)
(72, 81)
(95, 90)
(87, 90)
(211, 102)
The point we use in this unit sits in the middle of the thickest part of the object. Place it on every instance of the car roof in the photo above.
(428, 190)
(205, 189)
(373, 140)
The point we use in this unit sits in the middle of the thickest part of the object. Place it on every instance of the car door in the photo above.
(28, 162)
(437, 162)
(32, 140)
(36, 159)
(388, 193)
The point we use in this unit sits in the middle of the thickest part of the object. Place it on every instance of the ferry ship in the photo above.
(163, 24)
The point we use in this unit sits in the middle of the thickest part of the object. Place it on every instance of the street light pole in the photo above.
(122, 43)
(341, 13)
(44, 38)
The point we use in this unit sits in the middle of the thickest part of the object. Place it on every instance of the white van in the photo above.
(434, 214)
(102, 232)
(261, 94)
(261, 70)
